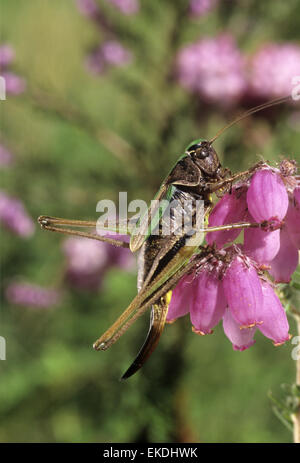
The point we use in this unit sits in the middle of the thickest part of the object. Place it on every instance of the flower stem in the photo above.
(296, 415)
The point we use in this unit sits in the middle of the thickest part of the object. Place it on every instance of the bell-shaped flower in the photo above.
(267, 197)
(286, 260)
(241, 339)
(275, 324)
(292, 219)
(231, 208)
(182, 296)
(208, 303)
(243, 292)
(262, 246)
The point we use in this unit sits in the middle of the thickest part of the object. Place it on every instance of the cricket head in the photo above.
(204, 156)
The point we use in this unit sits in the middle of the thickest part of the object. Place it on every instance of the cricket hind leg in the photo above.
(157, 322)
(58, 225)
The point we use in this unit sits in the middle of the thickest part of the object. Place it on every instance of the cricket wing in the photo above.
(157, 323)
(150, 218)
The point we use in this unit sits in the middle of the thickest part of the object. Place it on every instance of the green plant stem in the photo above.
(296, 415)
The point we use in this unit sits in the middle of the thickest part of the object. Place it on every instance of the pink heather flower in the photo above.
(110, 53)
(208, 302)
(201, 7)
(13, 83)
(235, 292)
(228, 278)
(6, 157)
(7, 55)
(293, 219)
(26, 294)
(86, 262)
(115, 54)
(275, 324)
(88, 8)
(120, 257)
(267, 197)
(272, 69)
(286, 260)
(14, 217)
(181, 299)
(231, 208)
(127, 7)
(94, 62)
(212, 68)
(260, 245)
(240, 339)
(243, 292)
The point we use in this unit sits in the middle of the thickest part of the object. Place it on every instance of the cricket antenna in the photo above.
(268, 104)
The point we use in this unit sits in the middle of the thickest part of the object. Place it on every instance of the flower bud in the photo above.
(241, 339)
(243, 291)
(208, 303)
(267, 197)
(275, 324)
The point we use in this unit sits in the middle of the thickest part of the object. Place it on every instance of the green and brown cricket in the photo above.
(164, 259)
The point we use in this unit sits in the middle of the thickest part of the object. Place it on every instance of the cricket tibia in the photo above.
(157, 323)
(60, 225)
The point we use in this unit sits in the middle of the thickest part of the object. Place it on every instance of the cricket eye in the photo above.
(202, 153)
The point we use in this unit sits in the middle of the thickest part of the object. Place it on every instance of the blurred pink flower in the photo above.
(14, 217)
(86, 262)
(201, 7)
(213, 68)
(120, 257)
(88, 8)
(110, 53)
(13, 84)
(6, 158)
(127, 7)
(272, 69)
(115, 54)
(7, 55)
(26, 294)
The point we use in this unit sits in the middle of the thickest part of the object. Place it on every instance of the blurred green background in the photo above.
(64, 132)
